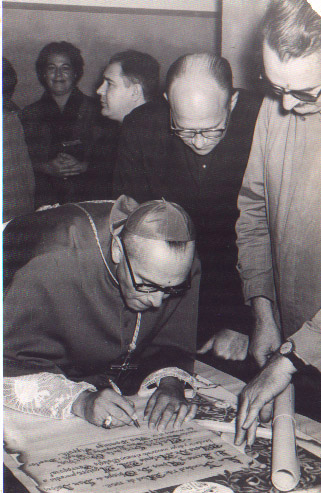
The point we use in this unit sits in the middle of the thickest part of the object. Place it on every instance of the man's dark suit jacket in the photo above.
(152, 164)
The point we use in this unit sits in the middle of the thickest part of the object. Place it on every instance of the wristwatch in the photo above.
(287, 349)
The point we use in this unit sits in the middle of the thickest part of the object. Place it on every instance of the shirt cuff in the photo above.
(260, 285)
(307, 342)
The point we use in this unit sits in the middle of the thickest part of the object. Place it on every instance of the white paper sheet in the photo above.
(42, 444)
(135, 464)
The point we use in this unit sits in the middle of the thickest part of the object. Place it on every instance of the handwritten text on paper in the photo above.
(137, 464)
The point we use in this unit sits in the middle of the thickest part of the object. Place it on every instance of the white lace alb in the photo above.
(43, 394)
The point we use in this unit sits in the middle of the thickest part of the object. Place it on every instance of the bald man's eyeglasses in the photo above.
(208, 133)
(178, 290)
(300, 95)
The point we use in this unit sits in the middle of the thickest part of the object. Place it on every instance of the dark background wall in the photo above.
(240, 21)
(99, 34)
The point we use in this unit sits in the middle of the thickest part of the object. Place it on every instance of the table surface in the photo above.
(23, 432)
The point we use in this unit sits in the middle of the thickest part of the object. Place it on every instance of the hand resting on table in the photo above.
(167, 407)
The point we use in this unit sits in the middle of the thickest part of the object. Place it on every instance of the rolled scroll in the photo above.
(285, 463)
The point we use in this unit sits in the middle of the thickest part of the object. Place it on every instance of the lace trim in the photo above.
(43, 394)
(148, 385)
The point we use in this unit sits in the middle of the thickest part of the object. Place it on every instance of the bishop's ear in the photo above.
(116, 250)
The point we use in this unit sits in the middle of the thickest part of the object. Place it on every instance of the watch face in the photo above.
(286, 347)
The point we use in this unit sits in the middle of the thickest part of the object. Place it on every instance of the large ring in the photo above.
(107, 422)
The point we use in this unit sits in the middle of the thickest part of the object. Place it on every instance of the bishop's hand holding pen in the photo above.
(104, 408)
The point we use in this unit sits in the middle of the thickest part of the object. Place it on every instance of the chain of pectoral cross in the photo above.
(126, 365)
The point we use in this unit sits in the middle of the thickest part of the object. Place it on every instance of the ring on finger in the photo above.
(107, 422)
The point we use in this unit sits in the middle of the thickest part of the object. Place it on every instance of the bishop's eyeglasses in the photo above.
(178, 290)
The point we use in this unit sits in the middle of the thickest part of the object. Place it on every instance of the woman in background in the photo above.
(61, 128)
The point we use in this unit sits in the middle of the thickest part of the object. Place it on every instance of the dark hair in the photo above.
(216, 66)
(62, 48)
(140, 68)
(9, 78)
(292, 28)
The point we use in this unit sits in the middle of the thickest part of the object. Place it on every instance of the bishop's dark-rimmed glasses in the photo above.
(178, 290)
(300, 95)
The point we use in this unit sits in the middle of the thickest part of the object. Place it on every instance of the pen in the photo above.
(117, 389)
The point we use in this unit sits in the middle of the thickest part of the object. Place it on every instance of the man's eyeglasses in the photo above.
(207, 133)
(301, 95)
(178, 290)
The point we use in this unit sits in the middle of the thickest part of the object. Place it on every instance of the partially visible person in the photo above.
(18, 177)
(194, 151)
(61, 127)
(98, 291)
(279, 229)
(131, 78)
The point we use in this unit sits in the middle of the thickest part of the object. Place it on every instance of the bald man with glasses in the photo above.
(100, 294)
(193, 149)
(213, 134)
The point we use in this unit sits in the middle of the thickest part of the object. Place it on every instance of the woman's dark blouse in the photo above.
(87, 136)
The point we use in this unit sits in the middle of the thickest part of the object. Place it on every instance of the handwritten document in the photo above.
(59, 456)
(137, 464)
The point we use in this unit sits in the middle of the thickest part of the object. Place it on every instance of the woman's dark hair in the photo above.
(61, 48)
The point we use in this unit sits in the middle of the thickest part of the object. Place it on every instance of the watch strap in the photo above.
(296, 361)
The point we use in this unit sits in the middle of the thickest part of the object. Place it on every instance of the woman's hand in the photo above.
(64, 165)
(71, 165)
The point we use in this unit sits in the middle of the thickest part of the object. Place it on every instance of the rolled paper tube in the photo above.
(230, 427)
(285, 463)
